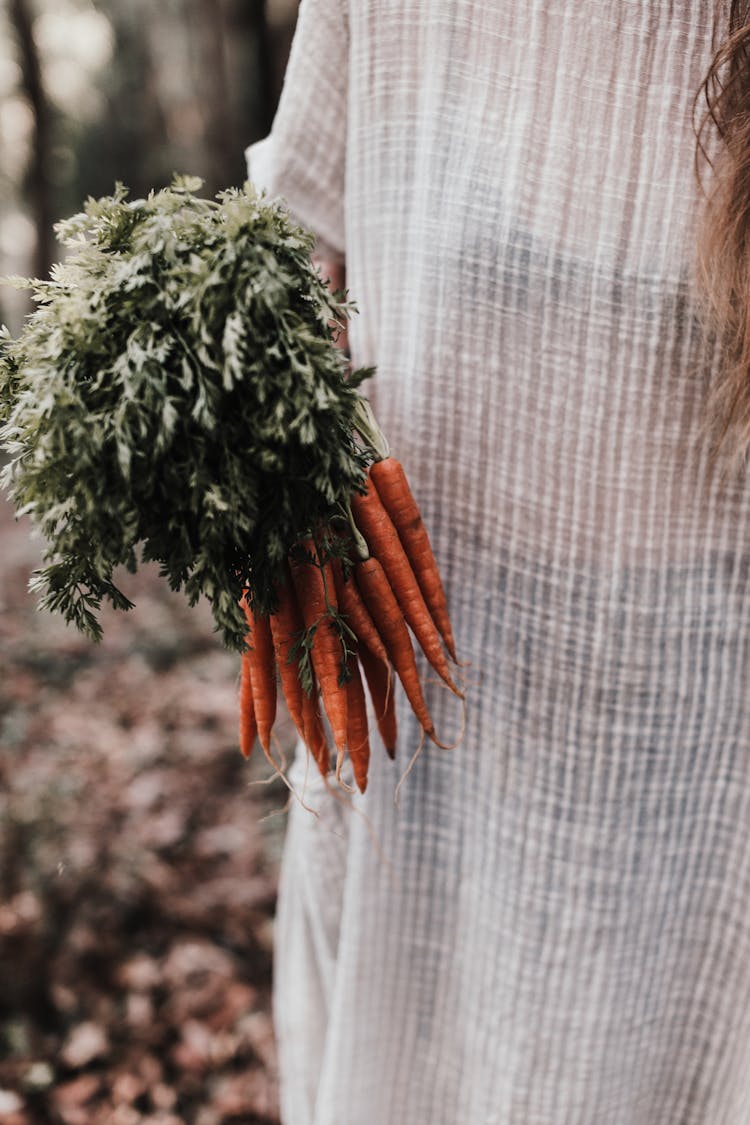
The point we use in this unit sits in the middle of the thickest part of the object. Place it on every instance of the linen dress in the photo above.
(553, 925)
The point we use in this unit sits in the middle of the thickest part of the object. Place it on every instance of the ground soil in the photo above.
(138, 859)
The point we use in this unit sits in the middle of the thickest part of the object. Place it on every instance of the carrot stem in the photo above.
(366, 424)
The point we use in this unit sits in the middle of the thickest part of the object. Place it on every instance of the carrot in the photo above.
(262, 675)
(286, 626)
(381, 602)
(248, 726)
(393, 489)
(384, 543)
(378, 676)
(315, 735)
(356, 613)
(317, 600)
(358, 735)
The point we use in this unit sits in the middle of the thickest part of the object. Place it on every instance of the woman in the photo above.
(555, 929)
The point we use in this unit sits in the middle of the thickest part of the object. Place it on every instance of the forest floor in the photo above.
(138, 859)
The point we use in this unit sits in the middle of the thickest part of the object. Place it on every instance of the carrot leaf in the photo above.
(176, 396)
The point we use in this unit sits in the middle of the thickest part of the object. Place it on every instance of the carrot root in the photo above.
(380, 683)
(384, 543)
(286, 626)
(317, 600)
(357, 733)
(248, 726)
(381, 601)
(262, 674)
(398, 500)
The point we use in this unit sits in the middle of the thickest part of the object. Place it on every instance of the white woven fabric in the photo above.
(556, 929)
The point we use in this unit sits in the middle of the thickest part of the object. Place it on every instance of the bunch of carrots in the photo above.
(345, 605)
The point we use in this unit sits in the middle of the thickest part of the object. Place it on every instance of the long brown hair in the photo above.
(723, 136)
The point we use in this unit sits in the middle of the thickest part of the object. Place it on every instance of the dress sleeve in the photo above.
(302, 160)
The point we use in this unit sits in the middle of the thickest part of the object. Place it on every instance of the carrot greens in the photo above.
(176, 397)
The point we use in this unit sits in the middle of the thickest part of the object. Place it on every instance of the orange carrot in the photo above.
(379, 681)
(393, 489)
(248, 726)
(357, 733)
(381, 602)
(286, 626)
(384, 543)
(262, 675)
(315, 735)
(317, 597)
(356, 613)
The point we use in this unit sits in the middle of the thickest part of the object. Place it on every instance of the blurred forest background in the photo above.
(138, 854)
(128, 90)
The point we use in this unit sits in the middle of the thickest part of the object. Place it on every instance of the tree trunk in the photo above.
(38, 188)
(221, 143)
(268, 93)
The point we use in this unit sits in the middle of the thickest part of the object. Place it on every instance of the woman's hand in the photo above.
(335, 272)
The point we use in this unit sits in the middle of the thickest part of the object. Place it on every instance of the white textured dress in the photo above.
(554, 926)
